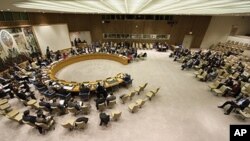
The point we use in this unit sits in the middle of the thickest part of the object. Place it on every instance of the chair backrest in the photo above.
(125, 98)
(117, 115)
(101, 106)
(223, 88)
(135, 108)
(225, 74)
(157, 90)
(72, 109)
(204, 74)
(144, 86)
(200, 71)
(133, 93)
(67, 125)
(80, 125)
(143, 102)
(112, 103)
(85, 109)
(216, 83)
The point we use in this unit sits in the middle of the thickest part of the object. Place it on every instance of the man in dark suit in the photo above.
(101, 91)
(104, 119)
(45, 104)
(99, 101)
(240, 102)
(29, 118)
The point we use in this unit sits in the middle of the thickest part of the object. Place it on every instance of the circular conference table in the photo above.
(75, 86)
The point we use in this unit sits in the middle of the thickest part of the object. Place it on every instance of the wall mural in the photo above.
(16, 45)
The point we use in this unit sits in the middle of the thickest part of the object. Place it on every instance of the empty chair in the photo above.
(111, 103)
(155, 91)
(143, 86)
(198, 72)
(138, 90)
(124, 98)
(133, 107)
(221, 91)
(69, 124)
(132, 94)
(115, 115)
(141, 102)
(203, 76)
(85, 109)
(151, 94)
(12, 114)
(73, 110)
(3, 101)
(214, 85)
(101, 107)
(18, 118)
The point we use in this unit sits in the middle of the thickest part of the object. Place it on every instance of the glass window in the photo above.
(149, 17)
(112, 17)
(16, 16)
(1, 16)
(139, 17)
(8, 16)
(24, 16)
(129, 17)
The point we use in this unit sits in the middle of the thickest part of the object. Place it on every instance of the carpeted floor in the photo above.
(184, 108)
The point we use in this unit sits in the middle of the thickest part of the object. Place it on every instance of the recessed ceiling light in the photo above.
(1, 10)
(8, 9)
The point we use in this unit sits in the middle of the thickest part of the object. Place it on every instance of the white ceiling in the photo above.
(197, 7)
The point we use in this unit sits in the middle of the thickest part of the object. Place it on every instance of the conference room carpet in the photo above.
(184, 109)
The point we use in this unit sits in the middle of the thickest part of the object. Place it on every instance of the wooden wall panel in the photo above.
(93, 23)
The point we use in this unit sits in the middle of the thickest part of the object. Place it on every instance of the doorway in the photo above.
(187, 41)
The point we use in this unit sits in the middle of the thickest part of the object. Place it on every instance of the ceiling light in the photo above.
(199, 7)
(8, 9)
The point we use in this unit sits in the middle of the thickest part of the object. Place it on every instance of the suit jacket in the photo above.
(245, 104)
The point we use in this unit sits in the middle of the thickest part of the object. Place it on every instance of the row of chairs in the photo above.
(9, 112)
(17, 116)
(103, 106)
(130, 95)
(45, 127)
(85, 109)
(133, 107)
(72, 124)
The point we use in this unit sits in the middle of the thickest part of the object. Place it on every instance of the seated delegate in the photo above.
(240, 102)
